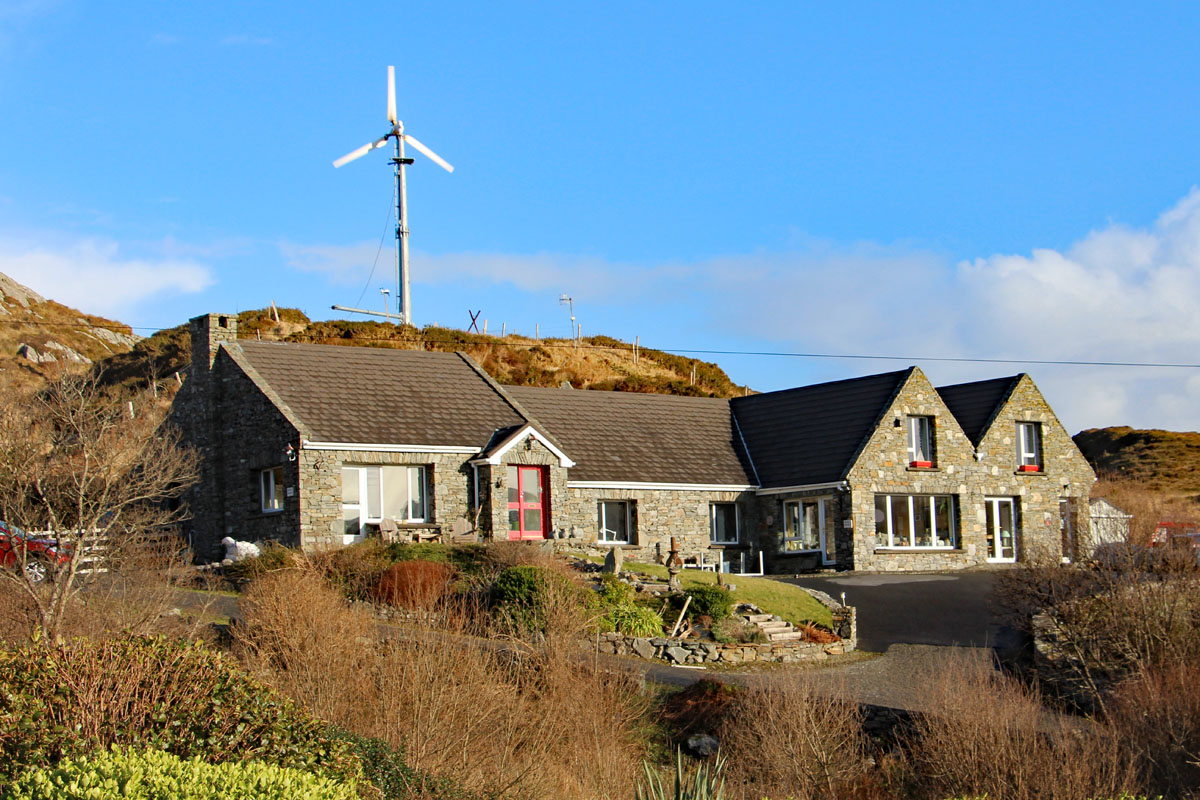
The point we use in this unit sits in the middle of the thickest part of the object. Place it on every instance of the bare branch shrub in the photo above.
(503, 718)
(98, 479)
(988, 735)
(1157, 716)
(788, 738)
(1109, 622)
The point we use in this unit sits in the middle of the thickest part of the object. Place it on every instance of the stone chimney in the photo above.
(208, 331)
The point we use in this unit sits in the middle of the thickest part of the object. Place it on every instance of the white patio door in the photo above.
(1001, 529)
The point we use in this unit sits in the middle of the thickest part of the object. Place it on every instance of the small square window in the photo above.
(724, 523)
(271, 489)
(920, 441)
(615, 522)
(1029, 447)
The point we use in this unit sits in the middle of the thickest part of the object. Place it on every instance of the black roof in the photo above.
(812, 434)
(975, 404)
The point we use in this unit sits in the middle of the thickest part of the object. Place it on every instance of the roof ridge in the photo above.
(887, 404)
(506, 397)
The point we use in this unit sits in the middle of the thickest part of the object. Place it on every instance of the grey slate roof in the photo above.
(812, 434)
(625, 436)
(975, 404)
(381, 396)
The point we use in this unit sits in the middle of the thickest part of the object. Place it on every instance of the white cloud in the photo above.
(93, 276)
(1118, 294)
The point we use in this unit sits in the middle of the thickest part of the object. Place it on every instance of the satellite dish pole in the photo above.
(399, 162)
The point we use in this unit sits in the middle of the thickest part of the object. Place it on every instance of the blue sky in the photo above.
(919, 180)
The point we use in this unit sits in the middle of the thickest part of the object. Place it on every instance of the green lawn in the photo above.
(773, 597)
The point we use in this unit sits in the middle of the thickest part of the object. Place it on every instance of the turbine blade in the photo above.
(392, 95)
(360, 152)
(432, 156)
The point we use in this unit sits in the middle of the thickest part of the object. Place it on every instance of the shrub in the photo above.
(68, 700)
(118, 774)
(273, 558)
(705, 783)
(414, 584)
(389, 773)
(355, 570)
(710, 601)
(631, 620)
(790, 738)
(731, 630)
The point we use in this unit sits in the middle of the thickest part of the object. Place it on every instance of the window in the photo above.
(616, 522)
(271, 489)
(724, 523)
(372, 494)
(916, 520)
(1029, 447)
(803, 524)
(920, 441)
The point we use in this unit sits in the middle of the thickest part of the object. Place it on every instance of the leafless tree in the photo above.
(99, 477)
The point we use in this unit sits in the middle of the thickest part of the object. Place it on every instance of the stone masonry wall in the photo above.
(496, 479)
(659, 515)
(448, 476)
(883, 469)
(771, 536)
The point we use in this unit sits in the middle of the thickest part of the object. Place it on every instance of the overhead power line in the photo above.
(545, 343)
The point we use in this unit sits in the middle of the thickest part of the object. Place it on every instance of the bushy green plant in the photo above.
(150, 692)
(389, 773)
(127, 774)
(731, 630)
(710, 601)
(632, 620)
(523, 595)
(705, 783)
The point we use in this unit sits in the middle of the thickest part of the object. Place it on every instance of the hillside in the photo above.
(38, 336)
(596, 362)
(1165, 461)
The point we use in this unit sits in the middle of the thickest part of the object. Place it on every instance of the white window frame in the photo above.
(1029, 445)
(412, 472)
(920, 439)
(602, 524)
(270, 501)
(712, 523)
(823, 526)
(911, 544)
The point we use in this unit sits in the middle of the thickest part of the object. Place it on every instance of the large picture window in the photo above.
(808, 527)
(616, 522)
(916, 520)
(723, 519)
(373, 494)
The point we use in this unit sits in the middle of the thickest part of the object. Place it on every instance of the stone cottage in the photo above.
(319, 446)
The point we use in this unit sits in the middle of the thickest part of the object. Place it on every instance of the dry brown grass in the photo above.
(505, 717)
(1148, 506)
(1157, 717)
(990, 736)
(789, 739)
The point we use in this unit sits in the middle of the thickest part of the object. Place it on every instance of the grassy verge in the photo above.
(773, 597)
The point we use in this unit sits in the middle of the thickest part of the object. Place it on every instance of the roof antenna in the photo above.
(399, 162)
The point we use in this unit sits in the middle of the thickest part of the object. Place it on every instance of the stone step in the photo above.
(789, 636)
(774, 626)
(757, 617)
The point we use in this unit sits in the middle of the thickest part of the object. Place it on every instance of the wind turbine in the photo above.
(399, 162)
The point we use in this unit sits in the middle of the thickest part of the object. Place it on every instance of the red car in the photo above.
(42, 554)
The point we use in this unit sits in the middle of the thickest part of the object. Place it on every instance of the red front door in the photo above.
(528, 506)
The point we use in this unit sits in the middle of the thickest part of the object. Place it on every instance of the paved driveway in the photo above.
(945, 609)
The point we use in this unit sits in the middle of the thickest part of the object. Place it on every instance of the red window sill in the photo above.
(921, 464)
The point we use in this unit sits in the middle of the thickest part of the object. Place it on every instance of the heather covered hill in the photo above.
(1166, 461)
(39, 336)
(596, 362)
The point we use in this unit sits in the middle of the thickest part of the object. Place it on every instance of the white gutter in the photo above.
(810, 487)
(389, 448)
(695, 487)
